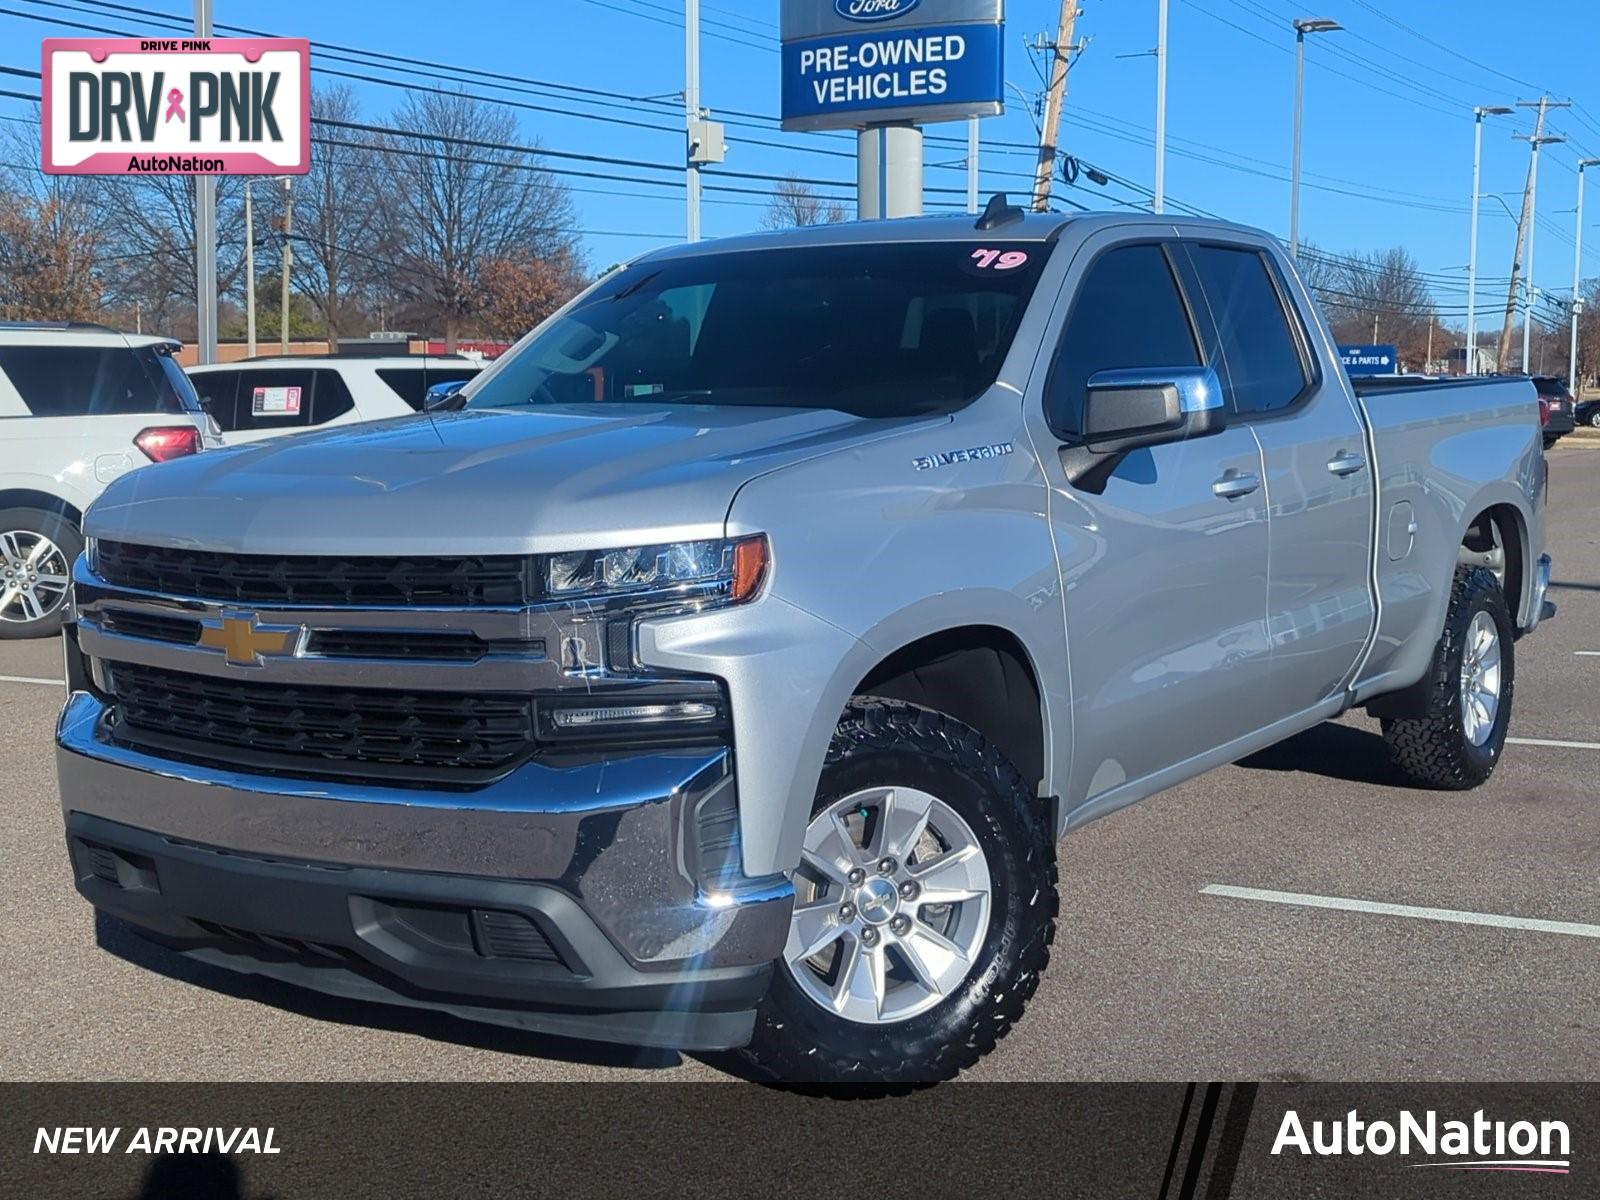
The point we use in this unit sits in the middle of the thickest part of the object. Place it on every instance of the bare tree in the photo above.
(150, 260)
(794, 203)
(1376, 297)
(336, 221)
(459, 193)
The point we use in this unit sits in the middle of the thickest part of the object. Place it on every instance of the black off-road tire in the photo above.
(1433, 750)
(64, 533)
(882, 742)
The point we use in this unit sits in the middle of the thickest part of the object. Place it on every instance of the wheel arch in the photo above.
(983, 675)
(26, 497)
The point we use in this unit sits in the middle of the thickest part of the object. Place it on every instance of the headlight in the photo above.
(738, 565)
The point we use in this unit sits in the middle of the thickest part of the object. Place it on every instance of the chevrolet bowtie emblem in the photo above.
(243, 642)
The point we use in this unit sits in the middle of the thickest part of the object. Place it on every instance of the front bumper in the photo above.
(564, 899)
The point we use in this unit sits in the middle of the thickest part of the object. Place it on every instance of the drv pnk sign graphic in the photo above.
(171, 106)
(854, 63)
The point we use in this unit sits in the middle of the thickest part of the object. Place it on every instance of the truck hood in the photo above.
(497, 481)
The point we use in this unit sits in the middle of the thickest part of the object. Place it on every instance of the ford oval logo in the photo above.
(873, 10)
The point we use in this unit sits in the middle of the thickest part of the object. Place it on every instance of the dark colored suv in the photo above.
(1558, 410)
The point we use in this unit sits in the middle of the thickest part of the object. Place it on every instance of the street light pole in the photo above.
(1478, 114)
(1577, 280)
(1302, 27)
(1158, 202)
(1529, 291)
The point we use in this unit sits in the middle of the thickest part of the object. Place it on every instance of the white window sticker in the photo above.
(276, 402)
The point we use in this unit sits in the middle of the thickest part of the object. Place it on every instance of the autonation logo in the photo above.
(1476, 1145)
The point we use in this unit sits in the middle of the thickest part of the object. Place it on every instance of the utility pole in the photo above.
(288, 265)
(691, 109)
(1301, 28)
(1060, 51)
(1577, 281)
(1525, 235)
(1478, 114)
(205, 234)
(249, 273)
(1159, 200)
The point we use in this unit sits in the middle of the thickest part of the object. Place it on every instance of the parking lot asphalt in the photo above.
(1153, 976)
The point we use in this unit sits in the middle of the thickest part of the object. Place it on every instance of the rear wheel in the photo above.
(925, 906)
(37, 550)
(1594, 418)
(1457, 742)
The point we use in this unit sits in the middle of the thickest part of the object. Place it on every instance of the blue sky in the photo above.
(1388, 140)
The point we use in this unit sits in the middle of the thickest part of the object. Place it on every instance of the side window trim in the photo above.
(1310, 366)
(1167, 246)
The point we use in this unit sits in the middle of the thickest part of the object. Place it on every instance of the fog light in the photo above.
(600, 716)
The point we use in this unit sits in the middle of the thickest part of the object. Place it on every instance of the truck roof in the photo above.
(959, 227)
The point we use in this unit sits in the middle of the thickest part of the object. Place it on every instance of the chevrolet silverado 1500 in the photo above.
(720, 667)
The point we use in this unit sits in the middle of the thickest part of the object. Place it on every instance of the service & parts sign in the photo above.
(171, 106)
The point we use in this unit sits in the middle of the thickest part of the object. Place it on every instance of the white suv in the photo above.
(264, 397)
(79, 406)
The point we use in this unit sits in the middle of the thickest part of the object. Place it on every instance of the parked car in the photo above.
(264, 397)
(1588, 413)
(1558, 409)
(719, 668)
(80, 405)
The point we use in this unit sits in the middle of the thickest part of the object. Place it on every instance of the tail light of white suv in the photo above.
(163, 443)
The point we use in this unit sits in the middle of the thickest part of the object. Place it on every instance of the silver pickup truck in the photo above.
(720, 668)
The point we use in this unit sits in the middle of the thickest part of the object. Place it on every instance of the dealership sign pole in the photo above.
(885, 68)
(198, 106)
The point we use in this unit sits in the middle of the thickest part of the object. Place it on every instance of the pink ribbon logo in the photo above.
(175, 105)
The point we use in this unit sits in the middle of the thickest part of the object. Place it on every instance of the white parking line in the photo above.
(1451, 915)
(1553, 742)
(30, 679)
(1587, 653)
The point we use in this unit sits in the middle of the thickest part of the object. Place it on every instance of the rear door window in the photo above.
(84, 381)
(217, 389)
(1257, 348)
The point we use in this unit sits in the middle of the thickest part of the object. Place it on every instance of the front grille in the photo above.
(475, 582)
(412, 645)
(341, 731)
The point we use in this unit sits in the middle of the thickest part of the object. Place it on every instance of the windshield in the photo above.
(872, 330)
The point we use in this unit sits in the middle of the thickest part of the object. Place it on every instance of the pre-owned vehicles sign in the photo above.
(170, 106)
(865, 62)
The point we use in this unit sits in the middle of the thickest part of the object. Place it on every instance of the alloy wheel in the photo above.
(1480, 679)
(34, 576)
(892, 905)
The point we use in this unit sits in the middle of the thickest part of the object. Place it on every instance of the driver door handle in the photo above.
(1234, 486)
(1344, 463)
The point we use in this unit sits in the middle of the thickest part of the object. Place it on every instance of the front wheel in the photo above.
(1457, 742)
(925, 906)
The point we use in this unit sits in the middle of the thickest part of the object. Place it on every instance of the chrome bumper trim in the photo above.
(535, 788)
(614, 834)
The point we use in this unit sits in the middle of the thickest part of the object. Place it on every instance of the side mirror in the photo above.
(1128, 410)
(442, 397)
